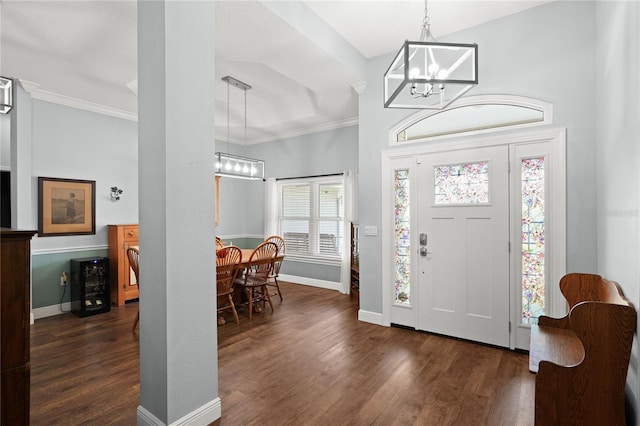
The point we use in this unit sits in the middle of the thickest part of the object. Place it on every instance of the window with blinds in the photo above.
(311, 217)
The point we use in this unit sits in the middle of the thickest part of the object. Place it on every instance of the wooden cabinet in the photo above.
(15, 269)
(354, 289)
(123, 281)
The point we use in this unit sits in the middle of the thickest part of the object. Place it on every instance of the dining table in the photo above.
(246, 255)
(244, 262)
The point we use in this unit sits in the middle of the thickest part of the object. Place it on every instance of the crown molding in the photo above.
(29, 86)
(307, 130)
(56, 98)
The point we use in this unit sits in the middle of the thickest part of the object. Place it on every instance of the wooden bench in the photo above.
(581, 360)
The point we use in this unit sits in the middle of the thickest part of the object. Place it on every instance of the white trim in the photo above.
(307, 130)
(545, 107)
(49, 311)
(58, 250)
(56, 98)
(206, 414)
(471, 142)
(230, 237)
(557, 138)
(28, 86)
(372, 318)
(329, 285)
(69, 101)
(554, 152)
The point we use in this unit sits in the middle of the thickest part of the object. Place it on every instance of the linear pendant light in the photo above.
(237, 166)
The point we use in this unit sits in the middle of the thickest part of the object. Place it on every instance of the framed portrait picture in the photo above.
(66, 207)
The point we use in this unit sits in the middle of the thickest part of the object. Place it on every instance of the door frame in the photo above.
(556, 137)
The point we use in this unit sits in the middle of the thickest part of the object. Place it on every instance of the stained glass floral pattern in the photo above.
(533, 239)
(402, 238)
(462, 183)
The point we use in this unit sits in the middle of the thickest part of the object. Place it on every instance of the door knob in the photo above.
(424, 252)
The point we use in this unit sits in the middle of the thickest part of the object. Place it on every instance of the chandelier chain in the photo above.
(426, 20)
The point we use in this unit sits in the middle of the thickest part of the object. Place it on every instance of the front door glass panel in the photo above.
(402, 294)
(533, 239)
(461, 183)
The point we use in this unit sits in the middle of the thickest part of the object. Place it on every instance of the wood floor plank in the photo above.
(311, 362)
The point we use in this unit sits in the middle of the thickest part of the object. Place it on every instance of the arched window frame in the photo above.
(545, 108)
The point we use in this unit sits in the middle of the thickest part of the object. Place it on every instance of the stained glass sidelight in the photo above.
(462, 183)
(533, 241)
(402, 240)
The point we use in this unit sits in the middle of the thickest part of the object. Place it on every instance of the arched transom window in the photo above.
(473, 115)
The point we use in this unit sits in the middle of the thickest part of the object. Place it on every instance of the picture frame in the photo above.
(66, 207)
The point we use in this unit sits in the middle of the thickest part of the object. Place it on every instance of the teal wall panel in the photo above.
(46, 270)
(243, 242)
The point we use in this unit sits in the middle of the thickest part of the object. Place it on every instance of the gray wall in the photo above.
(76, 144)
(618, 156)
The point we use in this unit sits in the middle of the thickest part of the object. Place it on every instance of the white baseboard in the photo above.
(204, 415)
(330, 285)
(49, 311)
(370, 317)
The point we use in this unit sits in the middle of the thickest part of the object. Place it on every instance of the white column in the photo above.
(23, 212)
(178, 334)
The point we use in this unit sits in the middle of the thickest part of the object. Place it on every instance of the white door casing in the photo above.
(549, 142)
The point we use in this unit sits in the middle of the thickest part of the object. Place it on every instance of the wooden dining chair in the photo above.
(133, 254)
(228, 261)
(254, 281)
(219, 243)
(275, 272)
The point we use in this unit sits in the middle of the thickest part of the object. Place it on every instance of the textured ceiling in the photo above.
(300, 57)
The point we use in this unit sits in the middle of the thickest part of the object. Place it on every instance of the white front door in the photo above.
(463, 262)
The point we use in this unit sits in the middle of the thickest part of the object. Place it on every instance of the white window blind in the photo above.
(311, 217)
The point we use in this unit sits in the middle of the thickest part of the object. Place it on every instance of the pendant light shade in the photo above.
(426, 74)
(237, 166)
(6, 95)
(429, 75)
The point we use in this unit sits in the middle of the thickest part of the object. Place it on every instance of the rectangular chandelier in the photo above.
(238, 167)
(430, 75)
(6, 95)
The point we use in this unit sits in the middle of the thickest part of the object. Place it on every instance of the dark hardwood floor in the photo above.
(310, 363)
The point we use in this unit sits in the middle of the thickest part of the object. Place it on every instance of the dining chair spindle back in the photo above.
(275, 272)
(256, 275)
(228, 261)
(133, 255)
